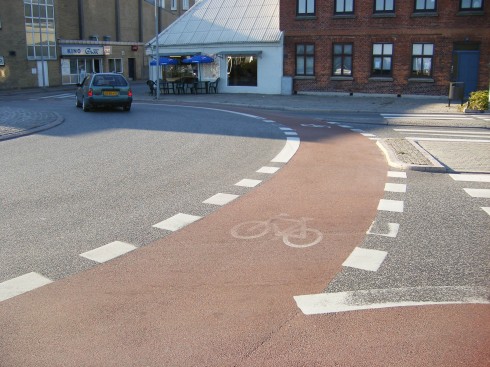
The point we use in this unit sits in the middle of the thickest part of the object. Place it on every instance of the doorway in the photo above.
(131, 68)
(466, 63)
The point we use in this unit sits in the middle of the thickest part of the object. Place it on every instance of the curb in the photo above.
(394, 162)
(59, 119)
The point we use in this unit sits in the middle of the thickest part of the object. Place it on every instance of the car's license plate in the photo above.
(110, 93)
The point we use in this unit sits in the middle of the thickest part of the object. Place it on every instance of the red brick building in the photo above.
(386, 46)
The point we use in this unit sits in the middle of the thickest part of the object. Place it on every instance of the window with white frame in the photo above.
(40, 29)
(422, 56)
(115, 65)
(425, 5)
(382, 59)
(384, 6)
(471, 5)
(344, 7)
(185, 4)
(173, 5)
(305, 7)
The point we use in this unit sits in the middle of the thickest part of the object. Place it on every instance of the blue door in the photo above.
(468, 63)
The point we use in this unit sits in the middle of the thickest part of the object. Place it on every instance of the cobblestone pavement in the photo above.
(15, 122)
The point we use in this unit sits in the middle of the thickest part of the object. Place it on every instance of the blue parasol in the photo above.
(164, 61)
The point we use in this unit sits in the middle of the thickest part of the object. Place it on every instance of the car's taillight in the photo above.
(90, 93)
(130, 93)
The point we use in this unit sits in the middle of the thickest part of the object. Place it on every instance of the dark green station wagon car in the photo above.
(104, 90)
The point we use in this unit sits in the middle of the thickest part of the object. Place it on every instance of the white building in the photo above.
(243, 37)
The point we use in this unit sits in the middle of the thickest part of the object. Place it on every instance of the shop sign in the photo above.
(2, 61)
(107, 50)
(82, 50)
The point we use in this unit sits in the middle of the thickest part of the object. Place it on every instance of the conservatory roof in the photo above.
(224, 21)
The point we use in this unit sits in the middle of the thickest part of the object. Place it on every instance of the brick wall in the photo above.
(443, 28)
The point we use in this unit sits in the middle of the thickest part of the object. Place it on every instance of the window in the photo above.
(305, 60)
(173, 5)
(382, 59)
(422, 55)
(471, 5)
(242, 70)
(384, 6)
(40, 29)
(305, 7)
(115, 65)
(185, 4)
(342, 59)
(425, 5)
(344, 6)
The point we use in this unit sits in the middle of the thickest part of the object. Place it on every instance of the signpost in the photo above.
(157, 4)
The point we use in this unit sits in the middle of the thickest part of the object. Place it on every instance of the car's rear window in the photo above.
(111, 80)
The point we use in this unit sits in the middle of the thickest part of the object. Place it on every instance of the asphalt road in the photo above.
(108, 176)
(208, 296)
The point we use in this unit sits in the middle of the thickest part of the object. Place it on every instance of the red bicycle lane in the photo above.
(202, 297)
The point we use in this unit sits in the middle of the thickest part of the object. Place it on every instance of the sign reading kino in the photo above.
(83, 50)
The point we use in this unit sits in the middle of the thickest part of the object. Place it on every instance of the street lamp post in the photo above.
(157, 51)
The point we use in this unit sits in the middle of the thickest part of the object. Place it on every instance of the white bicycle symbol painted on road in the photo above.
(294, 232)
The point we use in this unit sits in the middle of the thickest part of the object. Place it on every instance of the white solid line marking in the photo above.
(177, 222)
(108, 252)
(393, 187)
(449, 135)
(419, 138)
(267, 169)
(486, 209)
(391, 205)
(433, 116)
(392, 230)
(397, 174)
(443, 131)
(478, 193)
(268, 120)
(368, 135)
(315, 304)
(246, 182)
(346, 126)
(220, 199)
(22, 284)
(475, 177)
(289, 150)
(291, 133)
(365, 259)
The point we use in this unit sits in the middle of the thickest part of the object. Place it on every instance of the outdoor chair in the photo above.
(164, 87)
(151, 85)
(213, 86)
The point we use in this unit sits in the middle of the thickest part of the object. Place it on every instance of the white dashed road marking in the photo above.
(289, 150)
(397, 174)
(220, 199)
(389, 230)
(108, 252)
(365, 259)
(177, 222)
(267, 169)
(392, 187)
(471, 177)
(478, 193)
(22, 284)
(246, 182)
(391, 205)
